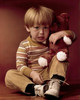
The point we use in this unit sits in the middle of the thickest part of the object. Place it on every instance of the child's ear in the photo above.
(27, 29)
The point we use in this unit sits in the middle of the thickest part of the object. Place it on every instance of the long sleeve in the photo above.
(21, 59)
(71, 33)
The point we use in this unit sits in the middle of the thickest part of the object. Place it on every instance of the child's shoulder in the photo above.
(24, 42)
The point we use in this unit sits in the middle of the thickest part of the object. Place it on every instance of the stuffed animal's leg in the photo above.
(45, 59)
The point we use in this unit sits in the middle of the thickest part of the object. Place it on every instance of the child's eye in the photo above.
(46, 27)
(36, 27)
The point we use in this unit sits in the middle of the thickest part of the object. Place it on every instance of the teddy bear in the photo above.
(60, 48)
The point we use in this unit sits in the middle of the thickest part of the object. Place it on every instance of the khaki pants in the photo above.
(16, 80)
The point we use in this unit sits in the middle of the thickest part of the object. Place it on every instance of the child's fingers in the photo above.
(39, 81)
(41, 78)
(53, 38)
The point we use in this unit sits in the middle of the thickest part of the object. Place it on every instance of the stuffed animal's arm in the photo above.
(62, 55)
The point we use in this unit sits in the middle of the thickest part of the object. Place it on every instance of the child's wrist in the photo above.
(32, 74)
(26, 71)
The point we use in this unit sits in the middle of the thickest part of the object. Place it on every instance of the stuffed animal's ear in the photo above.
(63, 17)
(63, 21)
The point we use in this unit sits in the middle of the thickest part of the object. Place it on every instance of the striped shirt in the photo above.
(28, 53)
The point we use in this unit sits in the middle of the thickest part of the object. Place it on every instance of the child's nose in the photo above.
(42, 30)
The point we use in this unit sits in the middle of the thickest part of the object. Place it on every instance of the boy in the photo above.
(30, 78)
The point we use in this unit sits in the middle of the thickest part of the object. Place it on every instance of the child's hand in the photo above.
(56, 36)
(36, 77)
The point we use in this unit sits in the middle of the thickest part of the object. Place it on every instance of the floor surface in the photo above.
(71, 92)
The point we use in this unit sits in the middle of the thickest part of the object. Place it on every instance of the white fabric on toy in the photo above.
(42, 62)
(67, 40)
(61, 56)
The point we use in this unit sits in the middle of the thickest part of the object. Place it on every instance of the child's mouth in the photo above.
(41, 38)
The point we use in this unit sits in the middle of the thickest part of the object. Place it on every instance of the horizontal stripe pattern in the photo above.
(28, 53)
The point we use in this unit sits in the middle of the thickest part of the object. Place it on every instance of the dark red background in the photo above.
(12, 31)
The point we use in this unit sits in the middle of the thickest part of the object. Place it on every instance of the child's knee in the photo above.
(8, 76)
(9, 73)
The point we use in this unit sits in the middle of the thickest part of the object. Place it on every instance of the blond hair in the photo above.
(38, 15)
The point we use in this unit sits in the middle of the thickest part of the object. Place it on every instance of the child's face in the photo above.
(39, 33)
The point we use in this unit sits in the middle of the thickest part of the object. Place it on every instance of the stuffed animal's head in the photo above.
(61, 23)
